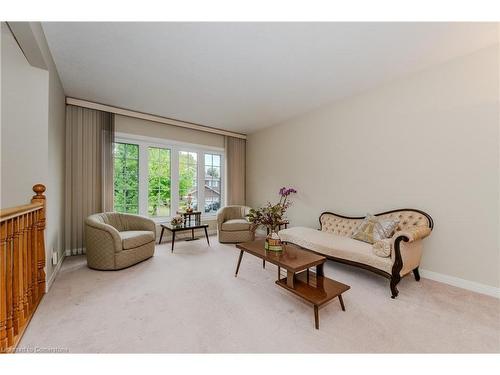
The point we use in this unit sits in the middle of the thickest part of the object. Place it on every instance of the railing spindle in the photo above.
(22, 262)
(10, 263)
(3, 286)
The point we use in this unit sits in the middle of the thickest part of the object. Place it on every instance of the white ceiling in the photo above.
(246, 76)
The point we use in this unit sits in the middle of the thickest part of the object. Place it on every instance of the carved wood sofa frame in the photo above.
(394, 276)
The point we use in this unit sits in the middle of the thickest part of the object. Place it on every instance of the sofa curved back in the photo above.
(346, 225)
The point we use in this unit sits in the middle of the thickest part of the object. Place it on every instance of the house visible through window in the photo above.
(158, 178)
(212, 183)
(188, 175)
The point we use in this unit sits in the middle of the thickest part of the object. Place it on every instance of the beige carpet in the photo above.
(190, 301)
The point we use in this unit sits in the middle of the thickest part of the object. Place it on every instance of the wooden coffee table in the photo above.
(183, 227)
(315, 288)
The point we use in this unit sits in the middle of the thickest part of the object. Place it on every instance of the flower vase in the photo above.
(273, 242)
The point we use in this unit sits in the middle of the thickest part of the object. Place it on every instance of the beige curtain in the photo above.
(89, 170)
(235, 170)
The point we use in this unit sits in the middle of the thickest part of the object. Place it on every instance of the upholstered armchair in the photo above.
(115, 240)
(233, 226)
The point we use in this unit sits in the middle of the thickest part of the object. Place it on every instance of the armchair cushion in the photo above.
(135, 238)
(236, 224)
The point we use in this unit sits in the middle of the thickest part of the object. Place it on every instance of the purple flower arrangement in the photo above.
(272, 215)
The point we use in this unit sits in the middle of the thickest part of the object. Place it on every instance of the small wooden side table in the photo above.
(196, 220)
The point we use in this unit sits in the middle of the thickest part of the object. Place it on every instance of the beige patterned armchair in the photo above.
(233, 226)
(115, 240)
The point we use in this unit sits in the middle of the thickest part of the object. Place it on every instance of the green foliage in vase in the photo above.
(271, 214)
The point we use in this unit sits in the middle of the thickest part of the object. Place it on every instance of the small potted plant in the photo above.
(271, 216)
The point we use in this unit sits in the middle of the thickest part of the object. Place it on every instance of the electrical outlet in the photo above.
(54, 258)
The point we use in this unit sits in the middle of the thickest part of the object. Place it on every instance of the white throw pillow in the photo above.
(383, 248)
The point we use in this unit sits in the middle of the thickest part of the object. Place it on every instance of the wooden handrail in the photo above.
(9, 213)
(22, 262)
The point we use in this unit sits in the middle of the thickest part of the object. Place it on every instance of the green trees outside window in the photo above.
(146, 172)
(188, 176)
(159, 182)
(126, 177)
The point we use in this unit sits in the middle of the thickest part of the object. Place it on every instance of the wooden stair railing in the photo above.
(22, 262)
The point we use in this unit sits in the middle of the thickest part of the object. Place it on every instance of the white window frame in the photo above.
(144, 142)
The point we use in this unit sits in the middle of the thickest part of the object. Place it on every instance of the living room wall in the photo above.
(429, 141)
(33, 132)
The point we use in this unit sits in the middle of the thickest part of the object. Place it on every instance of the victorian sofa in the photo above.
(233, 226)
(333, 240)
(114, 240)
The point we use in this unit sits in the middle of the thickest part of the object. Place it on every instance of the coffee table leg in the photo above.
(279, 273)
(206, 235)
(319, 270)
(316, 317)
(263, 263)
(192, 234)
(239, 262)
(341, 302)
(161, 234)
(173, 240)
(290, 277)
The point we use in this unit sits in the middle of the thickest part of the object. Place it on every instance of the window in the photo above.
(158, 178)
(212, 183)
(126, 177)
(159, 198)
(188, 176)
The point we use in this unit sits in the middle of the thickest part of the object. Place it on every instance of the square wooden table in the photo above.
(315, 288)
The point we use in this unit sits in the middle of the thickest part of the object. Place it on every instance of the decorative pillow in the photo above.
(364, 232)
(383, 248)
(373, 229)
(384, 228)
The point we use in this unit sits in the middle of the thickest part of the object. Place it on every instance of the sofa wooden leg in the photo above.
(394, 290)
(416, 274)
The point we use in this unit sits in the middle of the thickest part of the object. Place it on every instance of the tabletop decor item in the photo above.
(189, 207)
(177, 220)
(271, 216)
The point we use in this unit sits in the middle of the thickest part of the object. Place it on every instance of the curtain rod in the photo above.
(149, 117)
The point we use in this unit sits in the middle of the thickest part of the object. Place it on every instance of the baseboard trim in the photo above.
(54, 274)
(461, 283)
(79, 251)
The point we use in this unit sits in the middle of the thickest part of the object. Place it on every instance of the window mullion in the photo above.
(143, 180)
(201, 182)
(174, 191)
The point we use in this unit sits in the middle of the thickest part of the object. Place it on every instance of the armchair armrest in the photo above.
(102, 235)
(220, 217)
(245, 211)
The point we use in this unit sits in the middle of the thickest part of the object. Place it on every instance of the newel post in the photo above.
(39, 197)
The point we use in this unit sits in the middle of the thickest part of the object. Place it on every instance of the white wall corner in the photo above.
(461, 283)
